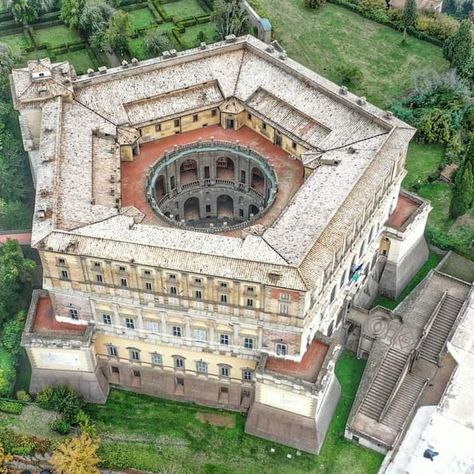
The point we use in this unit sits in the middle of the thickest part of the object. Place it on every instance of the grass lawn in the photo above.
(184, 8)
(80, 59)
(17, 42)
(422, 160)
(432, 262)
(189, 38)
(323, 39)
(56, 36)
(155, 434)
(142, 17)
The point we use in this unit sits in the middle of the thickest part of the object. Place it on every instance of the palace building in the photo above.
(204, 221)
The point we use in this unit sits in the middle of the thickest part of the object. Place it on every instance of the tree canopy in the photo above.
(25, 11)
(463, 191)
(77, 456)
(120, 31)
(156, 43)
(457, 49)
(230, 18)
(409, 16)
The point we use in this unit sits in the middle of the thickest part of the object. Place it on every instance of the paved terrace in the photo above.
(134, 173)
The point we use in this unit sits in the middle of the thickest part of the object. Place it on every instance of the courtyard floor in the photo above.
(134, 173)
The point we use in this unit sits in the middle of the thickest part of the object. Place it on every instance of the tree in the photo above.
(71, 11)
(463, 191)
(230, 18)
(409, 16)
(15, 271)
(4, 458)
(94, 20)
(457, 49)
(12, 184)
(120, 31)
(77, 456)
(156, 43)
(25, 11)
(7, 59)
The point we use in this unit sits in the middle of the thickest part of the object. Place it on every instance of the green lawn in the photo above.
(190, 37)
(184, 8)
(56, 36)
(422, 160)
(432, 262)
(152, 434)
(17, 42)
(323, 39)
(142, 18)
(80, 59)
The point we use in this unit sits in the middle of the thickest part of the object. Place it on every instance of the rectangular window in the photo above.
(223, 298)
(172, 277)
(107, 318)
(225, 371)
(123, 282)
(97, 265)
(134, 355)
(99, 278)
(112, 351)
(248, 343)
(179, 363)
(283, 308)
(250, 290)
(177, 331)
(158, 127)
(64, 275)
(156, 359)
(225, 339)
(61, 262)
(136, 373)
(248, 375)
(177, 122)
(249, 116)
(122, 269)
(180, 381)
(284, 296)
(130, 323)
(147, 273)
(249, 302)
(223, 285)
(197, 281)
(148, 286)
(74, 314)
(152, 326)
(200, 335)
(293, 145)
(115, 370)
(198, 294)
(173, 290)
(201, 367)
(214, 112)
(195, 118)
(264, 125)
(281, 349)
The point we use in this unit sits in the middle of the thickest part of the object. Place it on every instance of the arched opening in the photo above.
(343, 279)
(362, 249)
(191, 209)
(188, 172)
(258, 181)
(225, 207)
(371, 234)
(333, 294)
(160, 189)
(225, 169)
(253, 210)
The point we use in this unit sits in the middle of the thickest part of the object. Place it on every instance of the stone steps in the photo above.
(383, 384)
(437, 335)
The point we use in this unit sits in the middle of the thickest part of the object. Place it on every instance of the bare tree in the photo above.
(230, 18)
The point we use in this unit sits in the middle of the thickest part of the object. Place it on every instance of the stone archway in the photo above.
(191, 209)
(188, 172)
(225, 207)
(225, 169)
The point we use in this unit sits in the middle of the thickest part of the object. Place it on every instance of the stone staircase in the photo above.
(437, 335)
(383, 384)
(404, 400)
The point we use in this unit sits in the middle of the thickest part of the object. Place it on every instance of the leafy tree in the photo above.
(71, 11)
(201, 37)
(12, 185)
(7, 59)
(94, 20)
(156, 43)
(457, 49)
(463, 191)
(12, 334)
(120, 31)
(25, 11)
(7, 372)
(14, 215)
(409, 16)
(4, 458)
(314, 3)
(77, 456)
(230, 18)
(15, 271)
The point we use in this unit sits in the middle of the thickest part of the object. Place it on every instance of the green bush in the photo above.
(23, 396)
(62, 399)
(61, 426)
(349, 75)
(7, 372)
(10, 406)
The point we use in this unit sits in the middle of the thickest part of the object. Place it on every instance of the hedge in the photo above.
(7, 372)
(371, 15)
(11, 406)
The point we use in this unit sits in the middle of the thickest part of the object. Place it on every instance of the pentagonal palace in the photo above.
(204, 219)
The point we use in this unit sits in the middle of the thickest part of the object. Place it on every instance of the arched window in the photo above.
(343, 279)
(333, 294)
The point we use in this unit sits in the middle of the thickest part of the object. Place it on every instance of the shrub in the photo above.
(349, 74)
(156, 43)
(23, 396)
(12, 334)
(439, 25)
(77, 456)
(10, 406)
(62, 399)
(61, 426)
(7, 372)
(314, 3)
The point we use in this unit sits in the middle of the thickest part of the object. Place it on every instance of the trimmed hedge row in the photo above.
(371, 15)
(11, 406)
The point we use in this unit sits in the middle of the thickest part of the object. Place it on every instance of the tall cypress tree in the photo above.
(463, 192)
(409, 16)
(457, 49)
